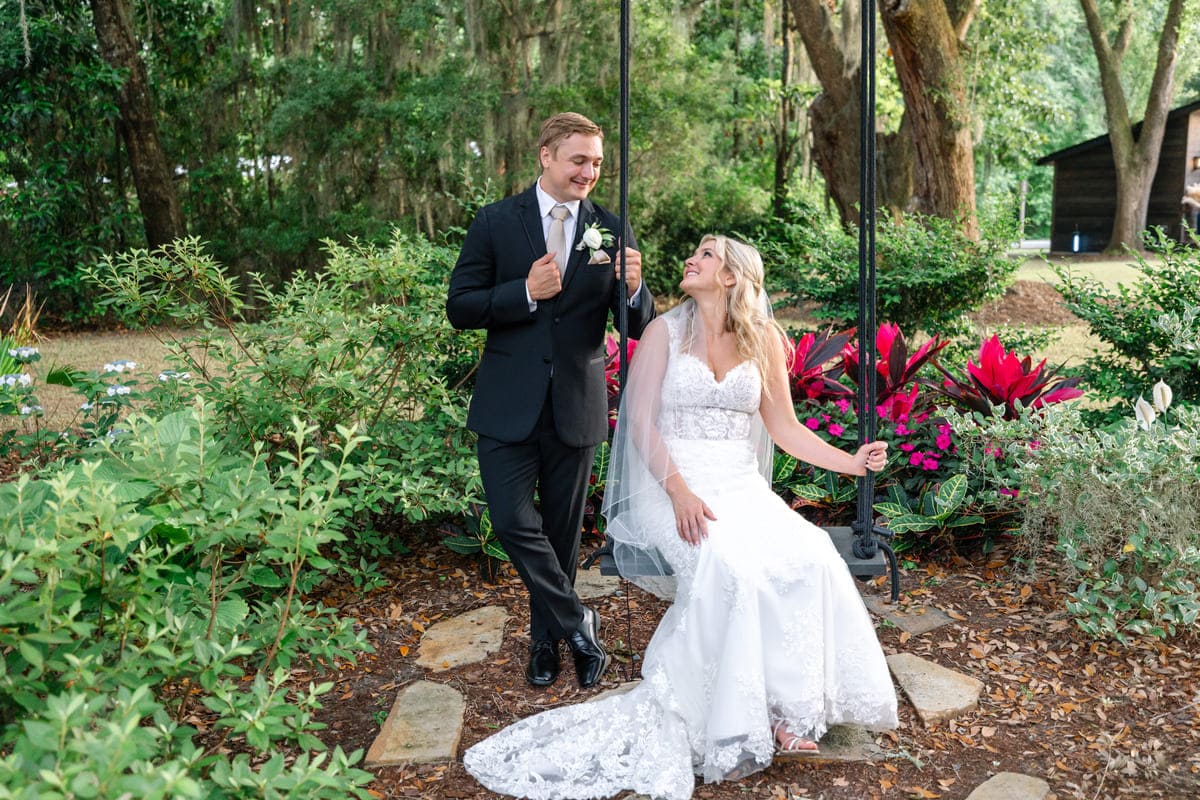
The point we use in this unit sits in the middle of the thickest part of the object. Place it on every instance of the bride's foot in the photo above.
(788, 743)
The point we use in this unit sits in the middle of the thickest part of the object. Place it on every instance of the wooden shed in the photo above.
(1085, 186)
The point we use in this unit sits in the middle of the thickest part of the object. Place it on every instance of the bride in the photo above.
(767, 642)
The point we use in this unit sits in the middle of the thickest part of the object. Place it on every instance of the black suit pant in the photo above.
(542, 538)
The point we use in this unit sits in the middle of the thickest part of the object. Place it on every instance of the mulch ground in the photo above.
(1093, 719)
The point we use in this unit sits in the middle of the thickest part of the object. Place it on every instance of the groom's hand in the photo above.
(633, 269)
(545, 278)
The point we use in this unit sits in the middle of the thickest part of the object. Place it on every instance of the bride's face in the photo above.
(704, 272)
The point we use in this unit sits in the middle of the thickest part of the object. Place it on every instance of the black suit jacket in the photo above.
(563, 337)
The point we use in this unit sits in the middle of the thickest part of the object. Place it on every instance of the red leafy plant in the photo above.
(612, 373)
(896, 387)
(1002, 379)
(810, 379)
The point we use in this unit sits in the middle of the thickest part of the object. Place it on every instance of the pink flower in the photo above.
(813, 423)
(842, 406)
(908, 447)
(902, 430)
(929, 464)
(943, 441)
(1035, 444)
(835, 429)
(1004, 490)
(916, 458)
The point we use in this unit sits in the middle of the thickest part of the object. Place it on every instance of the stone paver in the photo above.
(424, 725)
(464, 639)
(935, 692)
(847, 743)
(1011, 786)
(590, 584)
(921, 619)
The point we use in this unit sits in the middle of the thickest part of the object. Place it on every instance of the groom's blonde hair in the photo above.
(560, 126)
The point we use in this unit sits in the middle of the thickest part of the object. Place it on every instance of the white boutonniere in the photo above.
(594, 237)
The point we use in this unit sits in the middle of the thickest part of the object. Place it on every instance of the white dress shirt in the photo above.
(545, 203)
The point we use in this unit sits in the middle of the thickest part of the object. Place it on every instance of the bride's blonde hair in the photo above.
(748, 309)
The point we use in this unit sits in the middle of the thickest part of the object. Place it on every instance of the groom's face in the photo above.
(571, 170)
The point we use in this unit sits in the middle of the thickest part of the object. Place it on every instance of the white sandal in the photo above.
(792, 744)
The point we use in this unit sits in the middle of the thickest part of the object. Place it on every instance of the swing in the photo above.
(861, 545)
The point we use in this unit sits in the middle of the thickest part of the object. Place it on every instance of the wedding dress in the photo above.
(767, 626)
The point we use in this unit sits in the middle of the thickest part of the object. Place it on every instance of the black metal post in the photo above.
(623, 236)
(865, 544)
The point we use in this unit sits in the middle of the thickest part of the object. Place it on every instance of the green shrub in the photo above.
(364, 342)
(1129, 320)
(928, 275)
(162, 580)
(1121, 508)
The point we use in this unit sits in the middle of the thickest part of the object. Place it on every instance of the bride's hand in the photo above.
(871, 456)
(691, 515)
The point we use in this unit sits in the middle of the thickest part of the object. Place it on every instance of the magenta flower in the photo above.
(813, 423)
(842, 405)
(908, 447)
(916, 458)
(835, 429)
(943, 441)
(929, 464)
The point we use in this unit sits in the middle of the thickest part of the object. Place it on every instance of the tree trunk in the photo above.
(834, 114)
(152, 175)
(1135, 161)
(926, 38)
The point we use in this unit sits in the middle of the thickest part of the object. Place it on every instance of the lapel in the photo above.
(531, 222)
(587, 213)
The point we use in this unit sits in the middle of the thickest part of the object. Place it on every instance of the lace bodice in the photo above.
(695, 405)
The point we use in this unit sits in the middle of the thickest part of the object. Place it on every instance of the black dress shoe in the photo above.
(543, 662)
(590, 658)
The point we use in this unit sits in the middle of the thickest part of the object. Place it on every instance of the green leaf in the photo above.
(231, 612)
(265, 577)
(495, 550)
(910, 523)
(891, 510)
(65, 376)
(811, 492)
(463, 544)
(784, 466)
(32, 654)
(950, 495)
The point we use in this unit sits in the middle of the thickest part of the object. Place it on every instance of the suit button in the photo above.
(545, 359)
(556, 320)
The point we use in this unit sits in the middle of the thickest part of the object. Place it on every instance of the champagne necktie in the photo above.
(556, 240)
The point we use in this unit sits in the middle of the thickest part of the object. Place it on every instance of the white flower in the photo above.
(24, 354)
(1162, 396)
(15, 379)
(27, 410)
(123, 365)
(86, 407)
(594, 237)
(113, 391)
(1144, 413)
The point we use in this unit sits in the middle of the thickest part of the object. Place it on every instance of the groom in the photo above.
(540, 407)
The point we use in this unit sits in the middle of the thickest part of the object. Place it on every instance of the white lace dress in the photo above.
(767, 625)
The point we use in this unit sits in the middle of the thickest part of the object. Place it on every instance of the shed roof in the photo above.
(1183, 110)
